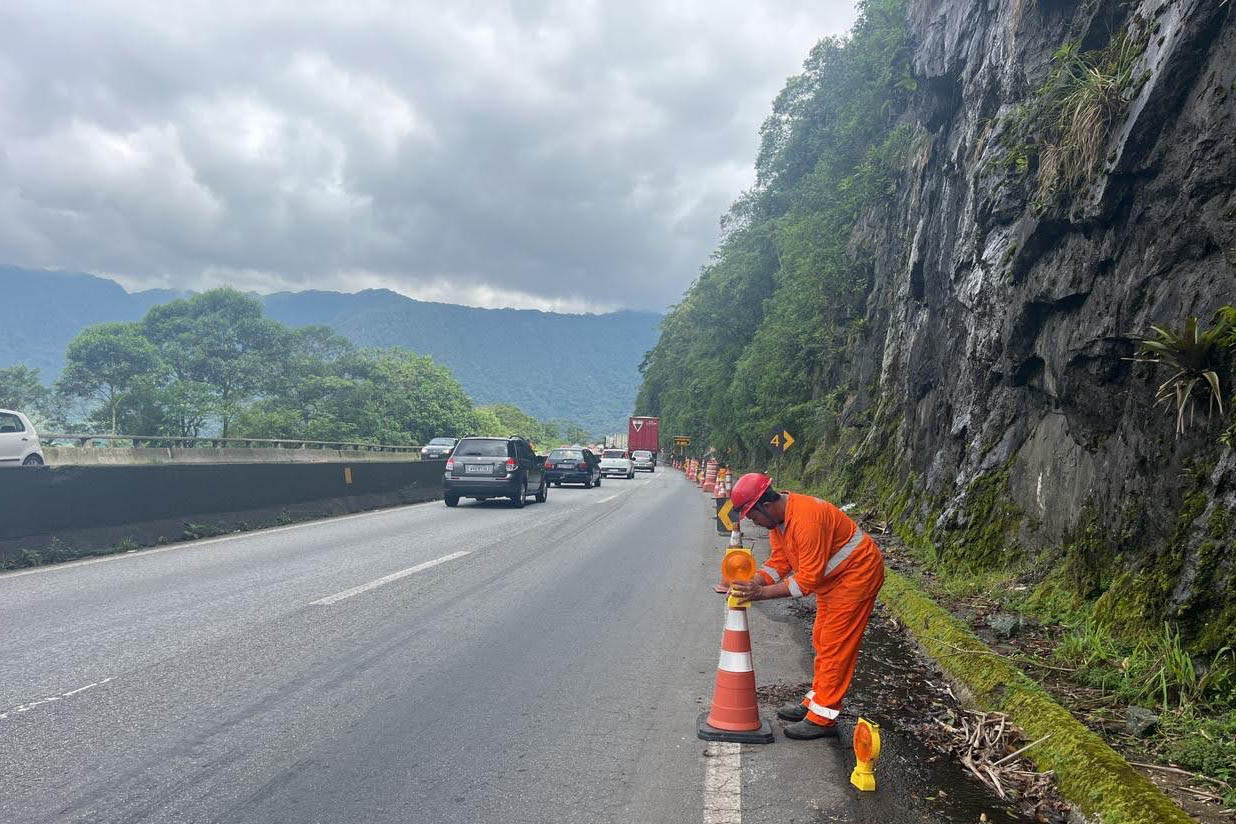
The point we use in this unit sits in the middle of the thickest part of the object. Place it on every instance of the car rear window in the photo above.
(566, 455)
(614, 453)
(441, 442)
(641, 454)
(481, 449)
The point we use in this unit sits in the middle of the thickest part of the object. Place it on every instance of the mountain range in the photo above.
(578, 368)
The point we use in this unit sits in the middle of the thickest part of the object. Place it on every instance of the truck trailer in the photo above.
(644, 433)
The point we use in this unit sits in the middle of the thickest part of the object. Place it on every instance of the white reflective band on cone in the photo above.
(772, 573)
(736, 619)
(735, 662)
(831, 715)
(795, 589)
(844, 552)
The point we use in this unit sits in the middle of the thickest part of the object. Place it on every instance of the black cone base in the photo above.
(764, 735)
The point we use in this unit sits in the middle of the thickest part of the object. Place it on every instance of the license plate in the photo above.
(487, 468)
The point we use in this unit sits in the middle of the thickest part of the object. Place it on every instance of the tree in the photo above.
(105, 362)
(219, 339)
(21, 389)
(573, 433)
(504, 419)
(375, 396)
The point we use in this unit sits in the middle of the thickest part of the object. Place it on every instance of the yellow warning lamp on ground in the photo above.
(866, 751)
(738, 564)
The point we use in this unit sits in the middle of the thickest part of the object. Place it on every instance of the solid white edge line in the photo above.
(386, 579)
(723, 783)
(179, 545)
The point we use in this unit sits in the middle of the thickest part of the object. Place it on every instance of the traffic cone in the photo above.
(734, 715)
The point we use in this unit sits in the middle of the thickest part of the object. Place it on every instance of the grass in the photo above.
(1205, 744)
(1194, 696)
(1080, 103)
(1090, 773)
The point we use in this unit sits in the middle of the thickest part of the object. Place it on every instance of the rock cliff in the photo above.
(1042, 225)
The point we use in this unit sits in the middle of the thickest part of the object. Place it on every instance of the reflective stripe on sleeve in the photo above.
(771, 573)
(795, 589)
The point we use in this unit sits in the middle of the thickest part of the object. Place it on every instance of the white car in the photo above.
(617, 462)
(19, 443)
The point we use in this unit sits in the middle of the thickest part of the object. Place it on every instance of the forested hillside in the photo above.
(968, 220)
(578, 368)
(581, 369)
(214, 364)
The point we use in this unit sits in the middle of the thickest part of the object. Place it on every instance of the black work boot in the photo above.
(807, 730)
(791, 712)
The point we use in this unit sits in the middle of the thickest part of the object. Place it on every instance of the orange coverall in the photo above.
(825, 553)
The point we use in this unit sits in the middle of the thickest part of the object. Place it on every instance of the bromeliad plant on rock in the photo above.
(1197, 355)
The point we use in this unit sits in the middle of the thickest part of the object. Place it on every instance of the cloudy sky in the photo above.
(571, 155)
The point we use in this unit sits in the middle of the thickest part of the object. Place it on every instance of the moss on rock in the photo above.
(1090, 773)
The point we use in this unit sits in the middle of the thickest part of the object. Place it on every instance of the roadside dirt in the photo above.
(1031, 649)
(901, 690)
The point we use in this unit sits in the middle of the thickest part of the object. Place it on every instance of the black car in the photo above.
(573, 466)
(438, 448)
(484, 468)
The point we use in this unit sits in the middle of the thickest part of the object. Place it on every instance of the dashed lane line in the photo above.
(386, 579)
(31, 705)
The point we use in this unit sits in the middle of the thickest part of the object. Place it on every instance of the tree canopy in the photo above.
(769, 321)
(213, 364)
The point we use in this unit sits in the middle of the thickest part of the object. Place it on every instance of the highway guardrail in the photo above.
(172, 441)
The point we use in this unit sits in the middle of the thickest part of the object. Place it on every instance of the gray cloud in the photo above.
(568, 155)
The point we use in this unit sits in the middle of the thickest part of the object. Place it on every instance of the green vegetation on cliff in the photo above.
(770, 319)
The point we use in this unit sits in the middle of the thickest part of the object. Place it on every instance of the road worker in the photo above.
(816, 550)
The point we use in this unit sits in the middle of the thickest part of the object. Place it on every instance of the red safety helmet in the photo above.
(748, 490)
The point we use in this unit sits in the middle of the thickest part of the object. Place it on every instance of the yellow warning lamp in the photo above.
(738, 564)
(866, 751)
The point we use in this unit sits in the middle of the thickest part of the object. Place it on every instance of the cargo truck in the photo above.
(644, 433)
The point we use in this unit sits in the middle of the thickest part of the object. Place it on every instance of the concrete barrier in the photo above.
(58, 513)
(91, 456)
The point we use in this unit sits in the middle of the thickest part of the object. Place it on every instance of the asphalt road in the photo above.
(419, 664)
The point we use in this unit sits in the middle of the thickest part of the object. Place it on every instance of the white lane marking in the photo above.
(603, 500)
(4, 576)
(723, 783)
(386, 579)
(51, 698)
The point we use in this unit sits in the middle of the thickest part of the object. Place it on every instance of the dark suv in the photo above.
(484, 468)
(572, 465)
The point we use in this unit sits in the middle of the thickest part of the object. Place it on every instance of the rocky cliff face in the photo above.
(1006, 310)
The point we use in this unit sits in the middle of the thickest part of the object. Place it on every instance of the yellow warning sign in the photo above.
(780, 440)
